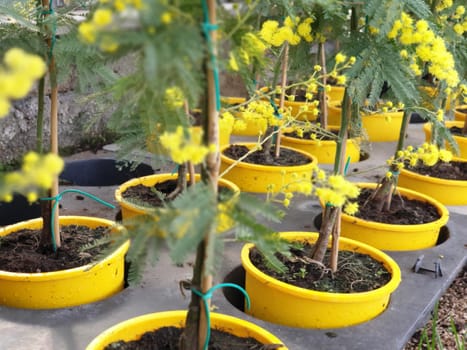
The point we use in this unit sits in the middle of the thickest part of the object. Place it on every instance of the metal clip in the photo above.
(418, 268)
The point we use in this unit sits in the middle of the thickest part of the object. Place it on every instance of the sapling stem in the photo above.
(322, 92)
(195, 333)
(47, 205)
(382, 195)
(40, 116)
(285, 63)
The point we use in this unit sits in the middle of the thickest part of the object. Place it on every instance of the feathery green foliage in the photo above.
(182, 226)
(25, 29)
(379, 63)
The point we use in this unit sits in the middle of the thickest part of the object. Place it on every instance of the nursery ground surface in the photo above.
(167, 338)
(409, 309)
(403, 211)
(451, 317)
(452, 170)
(287, 157)
(20, 251)
(355, 273)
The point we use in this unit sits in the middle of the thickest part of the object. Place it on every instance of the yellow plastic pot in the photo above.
(134, 328)
(458, 115)
(336, 93)
(72, 287)
(461, 141)
(324, 151)
(380, 127)
(295, 108)
(259, 178)
(279, 302)
(448, 192)
(396, 237)
(130, 210)
(253, 127)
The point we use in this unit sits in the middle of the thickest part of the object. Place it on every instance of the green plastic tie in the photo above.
(346, 167)
(276, 109)
(208, 27)
(59, 197)
(51, 12)
(175, 169)
(208, 295)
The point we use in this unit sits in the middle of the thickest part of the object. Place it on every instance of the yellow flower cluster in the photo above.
(251, 47)
(428, 153)
(36, 172)
(443, 4)
(258, 113)
(428, 48)
(122, 5)
(185, 145)
(341, 63)
(292, 31)
(174, 97)
(17, 76)
(334, 190)
(103, 18)
(459, 20)
(226, 122)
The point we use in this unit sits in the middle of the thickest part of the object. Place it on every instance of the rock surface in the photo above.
(78, 118)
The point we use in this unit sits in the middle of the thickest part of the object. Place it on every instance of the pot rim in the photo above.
(68, 273)
(269, 168)
(436, 180)
(153, 179)
(178, 317)
(304, 293)
(442, 210)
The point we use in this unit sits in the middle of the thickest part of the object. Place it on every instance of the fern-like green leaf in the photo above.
(184, 224)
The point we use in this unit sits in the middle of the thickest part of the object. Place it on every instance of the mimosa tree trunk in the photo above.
(267, 140)
(195, 333)
(285, 64)
(331, 214)
(382, 196)
(48, 220)
(322, 94)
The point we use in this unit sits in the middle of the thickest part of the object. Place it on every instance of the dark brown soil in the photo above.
(300, 95)
(167, 338)
(450, 171)
(287, 156)
(156, 195)
(403, 211)
(19, 251)
(457, 131)
(356, 272)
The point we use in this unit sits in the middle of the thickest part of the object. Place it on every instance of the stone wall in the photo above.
(78, 119)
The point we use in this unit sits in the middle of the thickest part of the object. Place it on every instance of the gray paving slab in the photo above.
(410, 306)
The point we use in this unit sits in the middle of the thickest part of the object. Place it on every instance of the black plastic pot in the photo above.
(101, 172)
(19, 209)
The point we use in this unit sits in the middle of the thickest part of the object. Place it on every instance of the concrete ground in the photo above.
(410, 306)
